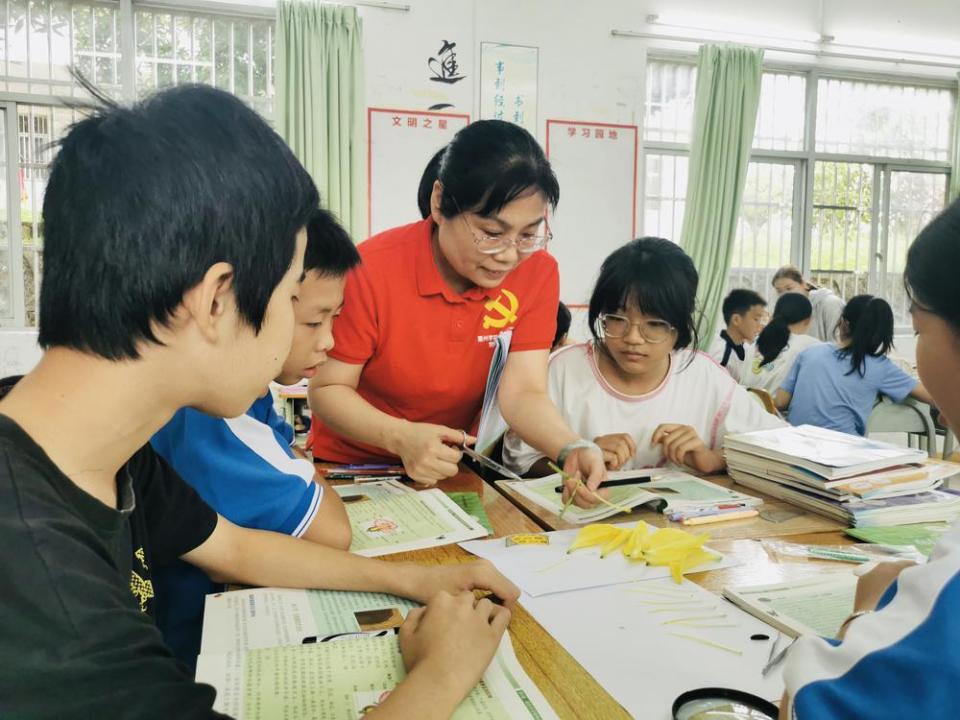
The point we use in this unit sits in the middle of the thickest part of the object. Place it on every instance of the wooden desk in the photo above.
(756, 527)
(571, 691)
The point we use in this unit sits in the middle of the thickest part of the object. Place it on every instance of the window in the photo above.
(39, 42)
(883, 119)
(765, 227)
(665, 194)
(668, 113)
(41, 39)
(877, 172)
(234, 54)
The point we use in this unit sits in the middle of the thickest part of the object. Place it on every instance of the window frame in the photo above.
(125, 40)
(805, 161)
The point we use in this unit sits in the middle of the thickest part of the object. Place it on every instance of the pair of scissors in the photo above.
(487, 462)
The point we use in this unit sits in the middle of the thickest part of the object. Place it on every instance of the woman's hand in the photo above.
(430, 453)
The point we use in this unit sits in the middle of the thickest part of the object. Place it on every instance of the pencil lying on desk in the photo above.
(719, 517)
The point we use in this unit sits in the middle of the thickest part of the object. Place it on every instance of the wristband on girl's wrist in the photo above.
(576, 445)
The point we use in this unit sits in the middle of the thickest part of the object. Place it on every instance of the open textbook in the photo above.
(270, 655)
(388, 517)
(816, 606)
(663, 490)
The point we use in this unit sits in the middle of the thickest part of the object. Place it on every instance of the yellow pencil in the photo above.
(720, 517)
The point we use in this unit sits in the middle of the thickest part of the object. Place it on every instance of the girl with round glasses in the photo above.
(424, 310)
(639, 390)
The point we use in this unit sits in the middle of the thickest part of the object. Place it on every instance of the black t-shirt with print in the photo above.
(76, 639)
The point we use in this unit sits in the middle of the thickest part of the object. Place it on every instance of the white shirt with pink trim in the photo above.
(696, 392)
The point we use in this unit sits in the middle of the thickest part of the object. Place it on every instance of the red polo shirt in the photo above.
(426, 349)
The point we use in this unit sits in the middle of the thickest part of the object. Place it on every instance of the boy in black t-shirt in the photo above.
(173, 248)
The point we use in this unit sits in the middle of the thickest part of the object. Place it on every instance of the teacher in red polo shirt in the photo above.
(407, 374)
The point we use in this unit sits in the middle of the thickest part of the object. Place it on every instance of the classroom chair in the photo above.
(911, 417)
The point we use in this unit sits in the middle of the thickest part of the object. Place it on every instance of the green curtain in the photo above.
(724, 116)
(320, 101)
(955, 169)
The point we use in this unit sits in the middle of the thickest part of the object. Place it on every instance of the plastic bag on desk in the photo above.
(857, 553)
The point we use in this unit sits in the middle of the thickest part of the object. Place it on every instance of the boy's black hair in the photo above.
(142, 200)
(656, 276)
(791, 308)
(330, 250)
(490, 163)
(429, 177)
(932, 262)
(563, 323)
(869, 331)
(739, 302)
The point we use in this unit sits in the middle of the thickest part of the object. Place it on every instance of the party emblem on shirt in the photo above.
(502, 311)
(142, 589)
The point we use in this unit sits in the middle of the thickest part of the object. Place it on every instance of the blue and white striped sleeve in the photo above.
(244, 469)
(902, 661)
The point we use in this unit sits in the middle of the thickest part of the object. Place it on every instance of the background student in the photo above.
(744, 313)
(898, 658)
(245, 467)
(413, 347)
(563, 328)
(638, 389)
(173, 248)
(827, 306)
(835, 386)
(770, 358)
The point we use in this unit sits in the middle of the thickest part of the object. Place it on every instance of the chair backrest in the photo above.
(766, 399)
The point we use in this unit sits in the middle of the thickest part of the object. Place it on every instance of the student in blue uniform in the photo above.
(900, 652)
(173, 250)
(245, 467)
(836, 386)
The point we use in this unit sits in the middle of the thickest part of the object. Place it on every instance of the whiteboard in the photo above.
(401, 143)
(596, 164)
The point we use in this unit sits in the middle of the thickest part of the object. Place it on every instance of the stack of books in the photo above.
(855, 480)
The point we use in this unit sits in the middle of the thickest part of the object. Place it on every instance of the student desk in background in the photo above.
(755, 527)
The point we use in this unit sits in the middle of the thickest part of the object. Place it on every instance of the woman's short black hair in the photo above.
(490, 163)
(429, 177)
(932, 262)
(142, 200)
(564, 318)
(657, 277)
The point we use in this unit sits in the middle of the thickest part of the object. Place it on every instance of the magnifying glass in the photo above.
(722, 704)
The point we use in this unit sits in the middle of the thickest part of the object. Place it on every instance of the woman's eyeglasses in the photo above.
(525, 242)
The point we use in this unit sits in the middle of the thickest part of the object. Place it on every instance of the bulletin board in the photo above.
(596, 164)
(401, 142)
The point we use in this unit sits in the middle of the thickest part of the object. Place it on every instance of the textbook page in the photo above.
(386, 521)
(267, 617)
(345, 679)
(807, 607)
(668, 490)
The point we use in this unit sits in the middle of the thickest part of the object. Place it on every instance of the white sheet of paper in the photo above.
(620, 636)
(544, 569)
